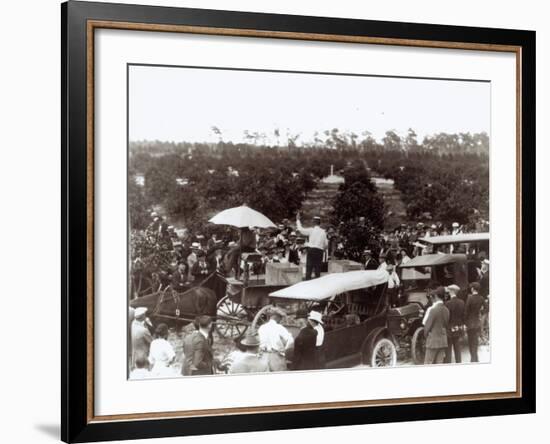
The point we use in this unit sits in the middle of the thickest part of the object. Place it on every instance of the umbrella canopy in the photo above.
(242, 216)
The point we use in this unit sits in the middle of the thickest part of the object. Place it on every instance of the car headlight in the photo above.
(403, 324)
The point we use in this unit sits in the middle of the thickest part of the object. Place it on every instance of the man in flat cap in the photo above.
(436, 321)
(317, 244)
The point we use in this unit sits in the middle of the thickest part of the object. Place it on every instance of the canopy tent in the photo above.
(429, 260)
(241, 217)
(456, 238)
(330, 285)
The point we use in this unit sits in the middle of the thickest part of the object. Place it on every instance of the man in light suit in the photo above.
(140, 335)
(197, 351)
(435, 323)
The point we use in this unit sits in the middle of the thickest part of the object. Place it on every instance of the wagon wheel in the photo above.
(418, 346)
(231, 318)
(383, 354)
(261, 317)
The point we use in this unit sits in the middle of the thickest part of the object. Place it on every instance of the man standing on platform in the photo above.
(317, 245)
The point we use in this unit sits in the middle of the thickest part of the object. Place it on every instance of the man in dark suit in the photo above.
(436, 322)
(305, 348)
(179, 278)
(293, 250)
(199, 271)
(370, 262)
(197, 350)
(215, 262)
(455, 305)
(484, 279)
(472, 310)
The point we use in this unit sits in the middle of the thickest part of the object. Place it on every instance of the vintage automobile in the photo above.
(471, 242)
(418, 276)
(354, 305)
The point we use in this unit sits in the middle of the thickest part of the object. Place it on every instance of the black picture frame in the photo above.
(76, 424)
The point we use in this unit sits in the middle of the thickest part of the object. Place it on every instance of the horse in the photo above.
(187, 305)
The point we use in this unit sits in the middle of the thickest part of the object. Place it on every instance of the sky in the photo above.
(183, 104)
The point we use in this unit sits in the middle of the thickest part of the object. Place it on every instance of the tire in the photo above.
(384, 354)
(231, 318)
(418, 346)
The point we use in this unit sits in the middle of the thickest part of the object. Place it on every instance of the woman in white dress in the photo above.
(161, 354)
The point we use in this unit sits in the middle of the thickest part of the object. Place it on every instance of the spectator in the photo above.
(455, 305)
(161, 353)
(472, 312)
(436, 321)
(141, 337)
(198, 355)
(275, 340)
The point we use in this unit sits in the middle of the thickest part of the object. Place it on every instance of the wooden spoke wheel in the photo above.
(231, 318)
(262, 316)
(418, 346)
(383, 354)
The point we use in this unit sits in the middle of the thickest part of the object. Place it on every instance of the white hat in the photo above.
(455, 225)
(140, 311)
(170, 227)
(154, 214)
(454, 288)
(486, 261)
(316, 316)
(434, 226)
(195, 245)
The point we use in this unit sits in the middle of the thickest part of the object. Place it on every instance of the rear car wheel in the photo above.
(383, 354)
(418, 346)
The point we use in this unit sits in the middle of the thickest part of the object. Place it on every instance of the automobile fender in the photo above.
(370, 340)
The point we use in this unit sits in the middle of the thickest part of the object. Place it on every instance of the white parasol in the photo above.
(242, 216)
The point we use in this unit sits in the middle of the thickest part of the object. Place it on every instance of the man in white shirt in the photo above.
(275, 340)
(317, 245)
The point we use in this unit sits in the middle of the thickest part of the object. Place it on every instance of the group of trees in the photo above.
(358, 211)
(444, 178)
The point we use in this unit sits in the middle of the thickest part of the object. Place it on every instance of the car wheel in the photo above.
(418, 346)
(383, 354)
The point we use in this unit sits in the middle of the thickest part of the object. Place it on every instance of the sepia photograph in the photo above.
(284, 221)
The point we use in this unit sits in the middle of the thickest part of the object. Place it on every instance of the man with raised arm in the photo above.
(317, 245)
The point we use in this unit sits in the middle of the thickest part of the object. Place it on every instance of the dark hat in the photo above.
(439, 291)
(475, 286)
(251, 339)
(201, 253)
(204, 321)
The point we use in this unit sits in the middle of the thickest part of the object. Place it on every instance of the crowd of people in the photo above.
(192, 257)
(264, 350)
